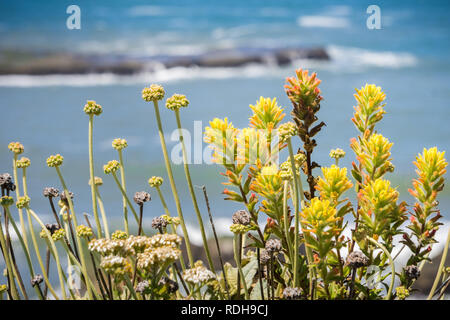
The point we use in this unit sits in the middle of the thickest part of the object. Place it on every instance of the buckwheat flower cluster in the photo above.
(171, 220)
(59, 234)
(273, 245)
(111, 167)
(159, 223)
(23, 162)
(137, 244)
(157, 256)
(176, 102)
(337, 153)
(198, 275)
(16, 147)
(141, 197)
(286, 131)
(50, 192)
(63, 197)
(55, 160)
(155, 182)
(153, 93)
(290, 293)
(165, 240)
(119, 235)
(36, 280)
(115, 265)
(241, 217)
(402, 293)
(51, 227)
(240, 228)
(84, 231)
(142, 286)
(6, 201)
(119, 144)
(357, 259)
(286, 167)
(106, 247)
(22, 202)
(92, 108)
(97, 181)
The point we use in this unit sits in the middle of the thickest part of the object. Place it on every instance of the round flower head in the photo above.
(6, 182)
(176, 102)
(264, 257)
(119, 235)
(412, 272)
(55, 160)
(63, 197)
(241, 217)
(36, 280)
(23, 162)
(141, 197)
(337, 153)
(115, 265)
(273, 245)
(119, 144)
(84, 231)
(286, 131)
(198, 275)
(142, 286)
(111, 167)
(59, 234)
(3, 288)
(172, 286)
(239, 228)
(92, 108)
(97, 181)
(50, 192)
(22, 202)
(155, 182)
(6, 201)
(402, 293)
(357, 259)
(153, 93)
(16, 147)
(159, 223)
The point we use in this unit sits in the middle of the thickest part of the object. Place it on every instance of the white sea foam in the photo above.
(322, 21)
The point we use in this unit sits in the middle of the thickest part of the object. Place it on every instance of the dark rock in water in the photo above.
(67, 63)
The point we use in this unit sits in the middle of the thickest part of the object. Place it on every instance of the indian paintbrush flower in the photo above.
(334, 183)
(370, 108)
(266, 114)
(304, 89)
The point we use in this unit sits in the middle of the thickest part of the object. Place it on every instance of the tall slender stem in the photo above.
(12, 284)
(391, 263)
(91, 172)
(172, 184)
(124, 201)
(441, 267)
(22, 223)
(124, 194)
(192, 192)
(102, 211)
(237, 246)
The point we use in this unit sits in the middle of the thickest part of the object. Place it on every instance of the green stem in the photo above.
(441, 267)
(14, 292)
(238, 264)
(124, 201)
(91, 172)
(286, 219)
(102, 211)
(192, 192)
(78, 240)
(172, 184)
(22, 222)
(391, 264)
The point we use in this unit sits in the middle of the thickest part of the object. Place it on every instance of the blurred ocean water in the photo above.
(408, 58)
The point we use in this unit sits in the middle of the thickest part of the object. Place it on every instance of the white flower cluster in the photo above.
(106, 247)
(157, 256)
(114, 264)
(165, 240)
(198, 275)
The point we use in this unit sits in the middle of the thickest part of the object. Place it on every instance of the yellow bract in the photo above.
(266, 114)
(334, 183)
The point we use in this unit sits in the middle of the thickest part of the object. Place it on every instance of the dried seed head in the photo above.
(357, 259)
(141, 197)
(142, 286)
(264, 257)
(92, 108)
(155, 182)
(5, 179)
(63, 197)
(22, 202)
(119, 144)
(153, 93)
(412, 272)
(36, 280)
(55, 160)
(273, 245)
(97, 181)
(159, 223)
(6, 201)
(290, 293)
(176, 102)
(50, 192)
(16, 147)
(111, 167)
(241, 217)
(23, 162)
(84, 231)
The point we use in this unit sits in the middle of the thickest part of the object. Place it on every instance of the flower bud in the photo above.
(111, 167)
(92, 108)
(176, 102)
(23, 162)
(154, 93)
(55, 160)
(16, 147)
(119, 144)
(155, 182)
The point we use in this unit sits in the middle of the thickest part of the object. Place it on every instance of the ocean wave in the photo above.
(147, 11)
(322, 21)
